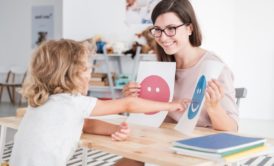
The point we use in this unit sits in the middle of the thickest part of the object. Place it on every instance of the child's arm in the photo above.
(137, 105)
(94, 126)
(117, 132)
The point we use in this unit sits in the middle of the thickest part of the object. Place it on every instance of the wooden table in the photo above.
(145, 144)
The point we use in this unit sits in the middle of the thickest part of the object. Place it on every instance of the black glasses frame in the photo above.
(163, 30)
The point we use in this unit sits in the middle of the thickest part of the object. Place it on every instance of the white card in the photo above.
(157, 83)
(209, 70)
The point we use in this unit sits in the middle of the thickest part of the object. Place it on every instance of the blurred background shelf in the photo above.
(112, 73)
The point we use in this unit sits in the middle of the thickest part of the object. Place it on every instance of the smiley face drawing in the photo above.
(155, 88)
(197, 98)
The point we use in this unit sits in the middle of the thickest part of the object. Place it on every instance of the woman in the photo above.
(178, 39)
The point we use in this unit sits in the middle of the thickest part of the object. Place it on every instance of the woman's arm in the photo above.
(219, 118)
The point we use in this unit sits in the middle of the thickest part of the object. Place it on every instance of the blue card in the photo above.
(197, 98)
(189, 119)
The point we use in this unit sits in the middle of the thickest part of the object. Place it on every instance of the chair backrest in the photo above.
(17, 74)
(240, 93)
(4, 73)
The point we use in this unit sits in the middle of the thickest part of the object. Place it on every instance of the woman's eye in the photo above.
(157, 30)
(170, 28)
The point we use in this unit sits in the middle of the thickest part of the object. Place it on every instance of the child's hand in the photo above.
(214, 94)
(131, 89)
(185, 103)
(122, 133)
(180, 105)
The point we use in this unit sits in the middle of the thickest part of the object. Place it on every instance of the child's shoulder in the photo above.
(72, 101)
(71, 96)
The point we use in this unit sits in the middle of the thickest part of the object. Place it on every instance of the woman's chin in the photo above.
(170, 52)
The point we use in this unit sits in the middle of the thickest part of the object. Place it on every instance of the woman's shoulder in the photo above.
(209, 55)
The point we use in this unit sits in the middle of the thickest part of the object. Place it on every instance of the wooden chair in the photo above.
(4, 78)
(14, 79)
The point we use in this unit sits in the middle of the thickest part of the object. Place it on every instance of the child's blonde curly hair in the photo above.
(55, 68)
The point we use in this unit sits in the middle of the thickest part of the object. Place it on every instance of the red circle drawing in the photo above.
(155, 88)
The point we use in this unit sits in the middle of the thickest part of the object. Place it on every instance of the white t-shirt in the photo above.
(49, 134)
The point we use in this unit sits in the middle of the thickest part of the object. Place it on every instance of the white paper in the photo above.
(157, 81)
(209, 70)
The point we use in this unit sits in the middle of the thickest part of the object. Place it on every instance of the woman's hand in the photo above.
(122, 133)
(214, 94)
(131, 89)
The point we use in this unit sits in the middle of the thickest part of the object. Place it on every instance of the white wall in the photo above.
(255, 56)
(15, 30)
(242, 33)
(239, 31)
(85, 18)
(217, 22)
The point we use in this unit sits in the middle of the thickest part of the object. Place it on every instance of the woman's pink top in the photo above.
(185, 84)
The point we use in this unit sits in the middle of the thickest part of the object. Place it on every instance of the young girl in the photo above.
(56, 85)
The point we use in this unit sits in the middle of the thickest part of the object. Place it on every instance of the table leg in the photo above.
(2, 141)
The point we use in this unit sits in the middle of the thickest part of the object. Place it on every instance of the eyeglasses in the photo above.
(169, 30)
